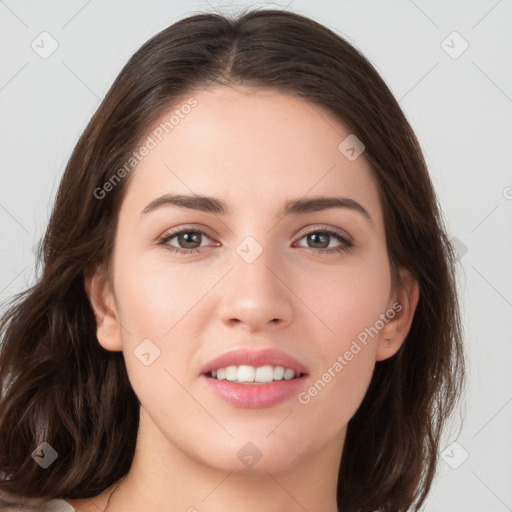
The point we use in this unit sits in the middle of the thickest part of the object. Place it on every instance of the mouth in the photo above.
(254, 379)
(252, 375)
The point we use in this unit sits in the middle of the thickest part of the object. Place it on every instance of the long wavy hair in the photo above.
(58, 385)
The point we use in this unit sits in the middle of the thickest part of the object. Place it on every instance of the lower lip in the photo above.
(254, 396)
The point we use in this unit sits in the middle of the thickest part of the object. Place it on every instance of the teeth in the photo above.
(278, 373)
(247, 374)
(231, 372)
(289, 374)
(264, 374)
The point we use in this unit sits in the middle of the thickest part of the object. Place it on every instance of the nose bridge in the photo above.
(256, 267)
(255, 293)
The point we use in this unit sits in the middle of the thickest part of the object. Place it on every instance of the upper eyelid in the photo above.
(311, 229)
(303, 232)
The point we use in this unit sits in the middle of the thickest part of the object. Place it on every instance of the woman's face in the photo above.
(256, 279)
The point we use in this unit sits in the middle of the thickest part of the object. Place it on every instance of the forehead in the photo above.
(253, 148)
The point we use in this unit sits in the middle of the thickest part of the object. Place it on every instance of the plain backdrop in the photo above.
(448, 64)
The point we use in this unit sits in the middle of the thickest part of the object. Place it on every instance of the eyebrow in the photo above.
(292, 206)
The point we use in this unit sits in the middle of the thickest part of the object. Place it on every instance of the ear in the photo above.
(98, 289)
(403, 305)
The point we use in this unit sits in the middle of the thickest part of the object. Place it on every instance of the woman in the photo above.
(303, 353)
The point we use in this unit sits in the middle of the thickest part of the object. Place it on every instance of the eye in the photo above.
(321, 237)
(191, 239)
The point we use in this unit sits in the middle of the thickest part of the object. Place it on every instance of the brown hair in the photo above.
(57, 384)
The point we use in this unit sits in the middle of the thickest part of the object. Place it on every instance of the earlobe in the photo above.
(100, 295)
(400, 314)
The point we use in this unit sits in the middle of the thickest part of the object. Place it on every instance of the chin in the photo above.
(257, 456)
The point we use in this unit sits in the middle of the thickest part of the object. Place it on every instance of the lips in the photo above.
(255, 395)
(255, 358)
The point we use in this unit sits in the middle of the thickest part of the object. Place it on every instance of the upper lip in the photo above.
(272, 357)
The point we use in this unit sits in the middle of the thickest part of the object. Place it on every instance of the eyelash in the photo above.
(346, 246)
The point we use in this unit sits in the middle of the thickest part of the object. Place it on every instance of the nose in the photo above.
(257, 296)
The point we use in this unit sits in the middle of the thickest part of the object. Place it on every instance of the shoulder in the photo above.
(55, 505)
(58, 505)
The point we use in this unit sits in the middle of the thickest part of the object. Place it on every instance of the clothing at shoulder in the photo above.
(56, 505)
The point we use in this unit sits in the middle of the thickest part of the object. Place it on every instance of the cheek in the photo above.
(349, 304)
(346, 301)
(157, 305)
(327, 405)
(156, 299)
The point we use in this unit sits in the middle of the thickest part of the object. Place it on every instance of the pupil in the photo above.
(314, 236)
(186, 236)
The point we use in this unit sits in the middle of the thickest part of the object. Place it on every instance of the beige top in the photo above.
(56, 505)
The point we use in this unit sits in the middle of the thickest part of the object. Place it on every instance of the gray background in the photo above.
(459, 105)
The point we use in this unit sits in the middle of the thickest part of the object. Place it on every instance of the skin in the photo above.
(254, 149)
